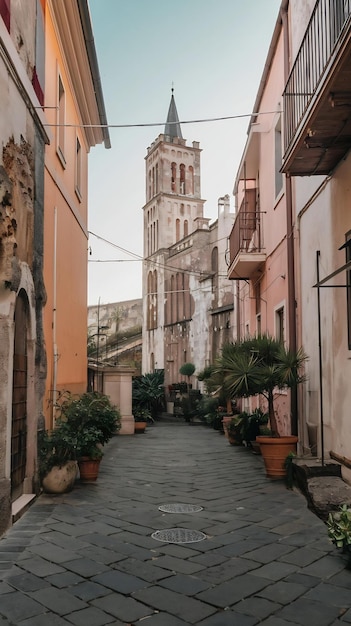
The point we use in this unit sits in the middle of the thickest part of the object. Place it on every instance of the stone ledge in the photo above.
(327, 493)
(322, 485)
(20, 505)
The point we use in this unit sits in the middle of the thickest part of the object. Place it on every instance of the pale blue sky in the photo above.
(214, 52)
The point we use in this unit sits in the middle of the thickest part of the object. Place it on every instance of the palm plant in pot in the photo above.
(260, 366)
(148, 393)
(93, 420)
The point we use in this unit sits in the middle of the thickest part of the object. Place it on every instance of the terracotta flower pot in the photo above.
(139, 427)
(88, 469)
(274, 451)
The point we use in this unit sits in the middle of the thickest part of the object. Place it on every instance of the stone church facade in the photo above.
(188, 302)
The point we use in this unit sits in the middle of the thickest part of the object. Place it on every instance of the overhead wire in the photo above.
(150, 124)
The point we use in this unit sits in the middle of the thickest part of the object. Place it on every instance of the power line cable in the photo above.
(148, 124)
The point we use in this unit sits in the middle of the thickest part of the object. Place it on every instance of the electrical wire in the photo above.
(148, 124)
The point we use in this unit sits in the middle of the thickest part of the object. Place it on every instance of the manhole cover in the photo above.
(180, 508)
(178, 535)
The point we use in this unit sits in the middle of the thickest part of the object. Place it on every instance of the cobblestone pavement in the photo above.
(88, 558)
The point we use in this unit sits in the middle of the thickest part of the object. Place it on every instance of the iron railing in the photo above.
(246, 234)
(325, 27)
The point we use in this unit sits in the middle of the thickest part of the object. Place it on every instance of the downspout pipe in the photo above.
(290, 235)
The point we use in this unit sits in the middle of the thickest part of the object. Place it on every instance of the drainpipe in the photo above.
(290, 234)
(54, 303)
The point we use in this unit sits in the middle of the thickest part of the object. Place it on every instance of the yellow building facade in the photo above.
(74, 109)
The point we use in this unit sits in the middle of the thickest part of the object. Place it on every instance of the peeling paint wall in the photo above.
(21, 235)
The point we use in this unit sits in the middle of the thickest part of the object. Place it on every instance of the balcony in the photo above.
(245, 240)
(317, 96)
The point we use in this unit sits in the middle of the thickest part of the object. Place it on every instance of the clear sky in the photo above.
(213, 52)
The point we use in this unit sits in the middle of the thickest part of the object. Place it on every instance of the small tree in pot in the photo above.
(259, 366)
(187, 369)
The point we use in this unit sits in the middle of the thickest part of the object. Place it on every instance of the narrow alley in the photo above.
(256, 555)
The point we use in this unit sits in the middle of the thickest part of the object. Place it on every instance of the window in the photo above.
(174, 176)
(78, 181)
(278, 158)
(186, 228)
(279, 325)
(177, 229)
(152, 300)
(5, 12)
(182, 179)
(191, 179)
(61, 119)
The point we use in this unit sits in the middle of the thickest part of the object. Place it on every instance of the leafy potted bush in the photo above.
(57, 459)
(93, 420)
(339, 530)
(259, 366)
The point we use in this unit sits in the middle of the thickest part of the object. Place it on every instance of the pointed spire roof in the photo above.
(172, 127)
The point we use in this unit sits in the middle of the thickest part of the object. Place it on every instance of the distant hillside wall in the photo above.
(115, 317)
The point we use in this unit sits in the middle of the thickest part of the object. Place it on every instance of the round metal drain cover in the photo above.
(178, 535)
(180, 508)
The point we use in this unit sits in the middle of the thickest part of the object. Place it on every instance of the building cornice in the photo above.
(74, 31)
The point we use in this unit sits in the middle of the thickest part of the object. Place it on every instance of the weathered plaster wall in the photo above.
(21, 217)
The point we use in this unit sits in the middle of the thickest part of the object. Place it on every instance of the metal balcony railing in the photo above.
(325, 27)
(246, 235)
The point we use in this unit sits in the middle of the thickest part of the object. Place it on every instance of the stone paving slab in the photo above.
(88, 557)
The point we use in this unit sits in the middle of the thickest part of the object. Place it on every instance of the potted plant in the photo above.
(260, 366)
(148, 393)
(57, 462)
(142, 417)
(93, 420)
(256, 425)
(187, 369)
(236, 427)
(339, 530)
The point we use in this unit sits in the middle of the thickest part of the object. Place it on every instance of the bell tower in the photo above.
(173, 195)
(173, 210)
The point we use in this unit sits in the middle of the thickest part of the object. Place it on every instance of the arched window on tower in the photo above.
(214, 268)
(191, 179)
(173, 300)
(152, 300)
(187, 297)
(180, 297)
(182, 178)
(174, 176)
(150, 185)
(186, 228)
(177, 229)
(149, 301)
(156, 178)
(155, 299)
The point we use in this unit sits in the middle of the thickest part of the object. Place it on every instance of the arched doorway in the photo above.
(19, 397)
